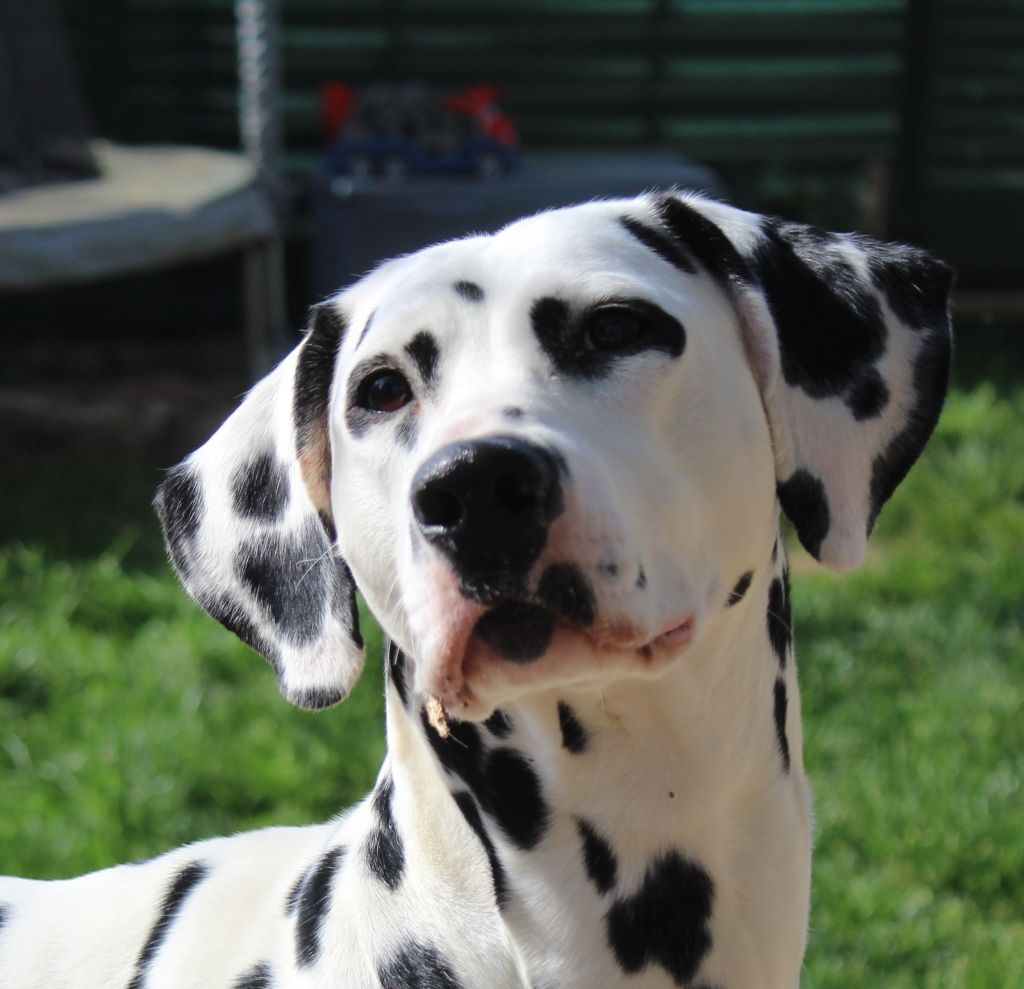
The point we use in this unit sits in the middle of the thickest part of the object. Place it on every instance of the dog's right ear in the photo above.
(248, 525)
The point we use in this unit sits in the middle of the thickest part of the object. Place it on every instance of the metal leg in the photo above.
(266, 324)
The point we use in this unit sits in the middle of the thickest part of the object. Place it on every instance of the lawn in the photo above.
(130, 722)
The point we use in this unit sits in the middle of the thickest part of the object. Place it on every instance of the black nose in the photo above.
(487, 506)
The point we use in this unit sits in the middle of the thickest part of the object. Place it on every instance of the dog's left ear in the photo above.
(248, 525)
(850, 342)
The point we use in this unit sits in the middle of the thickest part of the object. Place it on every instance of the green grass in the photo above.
(130, 722)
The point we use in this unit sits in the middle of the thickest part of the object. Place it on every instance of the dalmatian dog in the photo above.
(551, 460)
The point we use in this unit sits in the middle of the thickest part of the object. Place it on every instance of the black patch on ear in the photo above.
(666, 922)
(503, 782)
(343, 599)
(803, 499)
(564, 339)
(916, 284)
(868, 398)
(598, 858)
(385, 853)
(179, 505)
(740, 590)
(930, 381)
(314, 906)
(292, 577)
(314, 370)
(258, 977)
(829, 322)
(566, 592)
(398, 671)
(518, 632)
(424, 352)
(470, 291)
(467, 805)
(259, 488)
(499, 724)
(417, 966)
(780, 618)
(704, 240)
(780, 705)
(181, 886)
(655, 240)
(231, 614)
(574, 735)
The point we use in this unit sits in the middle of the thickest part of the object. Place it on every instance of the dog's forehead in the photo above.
(578, 252)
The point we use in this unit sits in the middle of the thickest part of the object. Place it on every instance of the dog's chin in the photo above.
(517, 649)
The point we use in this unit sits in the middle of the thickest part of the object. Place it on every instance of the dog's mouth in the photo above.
(520, 645)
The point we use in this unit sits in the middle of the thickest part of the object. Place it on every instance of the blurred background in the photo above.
(181, 179)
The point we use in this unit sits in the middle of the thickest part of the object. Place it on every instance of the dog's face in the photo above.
(549, 455)
(510, 414)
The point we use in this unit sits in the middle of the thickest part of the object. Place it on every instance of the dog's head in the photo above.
(551, 454)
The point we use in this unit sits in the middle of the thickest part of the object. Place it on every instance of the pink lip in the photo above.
(676, 634)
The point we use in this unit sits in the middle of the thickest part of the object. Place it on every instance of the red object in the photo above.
(480, 102)
(337, 103)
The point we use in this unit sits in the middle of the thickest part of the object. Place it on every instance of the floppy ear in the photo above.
(850, 343)
(248, 526)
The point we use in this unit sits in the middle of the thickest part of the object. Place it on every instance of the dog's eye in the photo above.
(384, 391)
(614, 328)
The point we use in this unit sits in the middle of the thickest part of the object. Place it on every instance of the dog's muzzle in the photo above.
(486, 505)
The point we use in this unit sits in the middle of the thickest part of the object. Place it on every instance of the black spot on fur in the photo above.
(4, 910)
(179, 504)
(424, 352)
(514, 799)
(398, 672)
(574, 735)
(467, 805)
(830, 326)
(565, 590)
(930, 380)
(518, 632)
(417, 966)
(868, 398)
(641, 579)
(666, 922)
(598, 857)
(314, 905)
(366, 329)
(258, 977)
(503, 782)
(916, 285)
(563, 335)
(314, 371)
(470, 291)
(385, 854)
(780, 704)
(804, 500)
(292, 900)
(655, 240)
(512, 412)
(740, 590)
(292, 577)
(780, 618)
(259, 488)
(499, 724)
(181, 886)
(704, 240)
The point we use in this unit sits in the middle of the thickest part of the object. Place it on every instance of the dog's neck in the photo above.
(597, 811)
